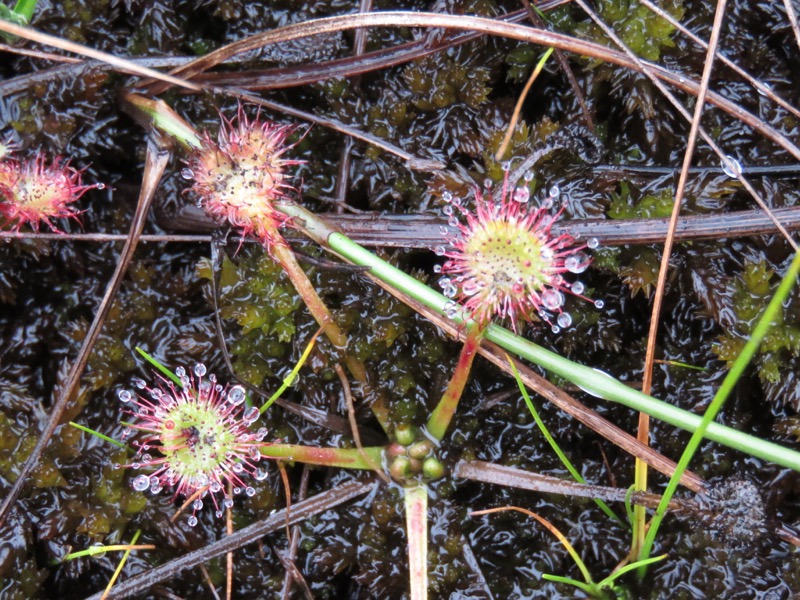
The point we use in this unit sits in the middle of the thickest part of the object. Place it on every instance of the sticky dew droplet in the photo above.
(251, 415)
(521, 194)
(236, 395)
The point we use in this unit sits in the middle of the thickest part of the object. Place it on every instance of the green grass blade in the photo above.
(736, 371)
(553, 444)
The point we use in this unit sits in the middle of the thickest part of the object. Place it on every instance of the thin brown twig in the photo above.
(561, 58)
(761, 87)
(39, 54)
(156, 163)
(189, 499)
(124, 66)
(792, 14)
(351, 415)
(655, 315)
(295, 541)
(252, 533)
(209, 582)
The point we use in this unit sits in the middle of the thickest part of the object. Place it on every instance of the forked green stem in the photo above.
(444, 411)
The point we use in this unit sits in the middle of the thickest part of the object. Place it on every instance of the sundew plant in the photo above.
(498, 299)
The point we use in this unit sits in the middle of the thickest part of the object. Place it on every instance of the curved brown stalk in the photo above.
(643, 432)
(157, 160)
(521, 33)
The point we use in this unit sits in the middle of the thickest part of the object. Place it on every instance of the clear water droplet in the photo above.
(447, 196)
(578, 287)
(124, 396)
(437, 268)
(528, 176)
(564, 320)
(197, 504)
(593, 243)
(215, 487)
(439, 250)
(180, 372)
(547, 202)
(192, 521)
(200, 369)
(139, 383)
(506, 166)
(599, 304)
(187, 174)
(447, 210)
(236, 395)
(734, 170)
(250, 491)
(554, 192)
(261, 474)
(141, 483)
(227, 502)
(555, 329)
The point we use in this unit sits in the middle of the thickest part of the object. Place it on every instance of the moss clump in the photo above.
(258, 296)
(644, 32)
(751, 292)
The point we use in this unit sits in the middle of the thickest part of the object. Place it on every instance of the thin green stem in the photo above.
(594, 382)
(95, 550)
(348, 458)
(444, 411)
(105, 438)
(553, 444)
(750, 348)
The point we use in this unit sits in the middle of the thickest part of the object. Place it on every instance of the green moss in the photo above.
(751, 292)
(644, 32)
(650, 206)
(257, 295)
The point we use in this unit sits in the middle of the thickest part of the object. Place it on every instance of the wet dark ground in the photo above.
(452, 106)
